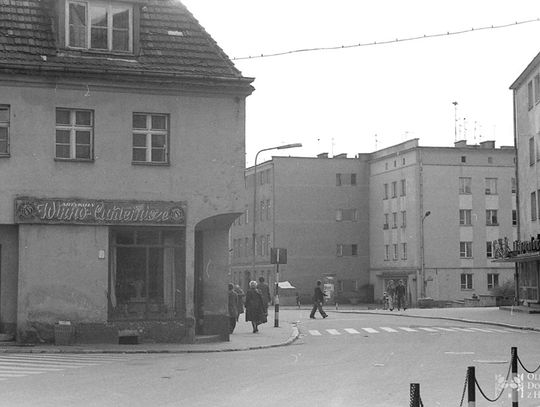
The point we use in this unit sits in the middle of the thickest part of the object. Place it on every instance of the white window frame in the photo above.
(465, 185)
(489, 250)
(403, 251)
(73, 128)
(88, 39)
(466, 281)
(492, 217)
(4, 124)
(492, 280)
(346, 215)
(491, 186)
(149, 132)
(465, 250)
(465, 217)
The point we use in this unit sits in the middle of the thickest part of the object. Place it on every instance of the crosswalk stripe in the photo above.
(407, 329)
(333, 331)
(387, 329)
(500, 330)
(315, 332)
(428, 329)
(41, 364)
(351, 331)
(463, 329)
(445, 329)
(481, 330)
(371, 330)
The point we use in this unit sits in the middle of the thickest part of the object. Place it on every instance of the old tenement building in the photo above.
(121, 170)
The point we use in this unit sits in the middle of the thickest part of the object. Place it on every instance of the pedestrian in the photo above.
(390, 291)
(241, 294)
(385, 300)
(265, 292)
(233, 308)
(255, 311)
(401, 295)
(298, 300)
(318, 299)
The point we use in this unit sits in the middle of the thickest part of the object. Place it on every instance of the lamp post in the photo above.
(254, 236)
(422, 270)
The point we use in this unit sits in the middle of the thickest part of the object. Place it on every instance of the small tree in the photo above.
(506, 290)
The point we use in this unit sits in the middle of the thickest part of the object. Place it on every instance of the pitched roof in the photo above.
(171, 43)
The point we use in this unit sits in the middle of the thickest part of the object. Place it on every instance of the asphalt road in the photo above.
(345, 360)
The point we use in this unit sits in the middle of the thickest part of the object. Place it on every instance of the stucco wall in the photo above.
(9, 266)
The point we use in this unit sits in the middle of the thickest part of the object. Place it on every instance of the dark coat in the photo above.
(255, 310)
(240, 293)
(318, 295)
(265, 292)
(400, 291)
(233, 304)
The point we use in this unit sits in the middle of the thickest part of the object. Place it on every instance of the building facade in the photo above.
(525, 251)
(434, 214)
(317, 209)
(114, 213)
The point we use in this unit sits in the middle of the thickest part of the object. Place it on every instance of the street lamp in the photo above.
(423, 271)
(254, 237)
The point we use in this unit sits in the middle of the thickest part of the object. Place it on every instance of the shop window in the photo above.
(4, 130)
(147, 273)
(74, 134)
(150, 138)
(100, 26)
(528, 281)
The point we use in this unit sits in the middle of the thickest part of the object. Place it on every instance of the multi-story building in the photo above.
(316, 208)
(114, 211)
(434, 214)
(525, 251)
(419, 214)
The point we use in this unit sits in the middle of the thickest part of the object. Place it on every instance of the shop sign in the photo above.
(98, 212)
(501, 248)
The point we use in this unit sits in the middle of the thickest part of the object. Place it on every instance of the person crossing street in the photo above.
(318, 300)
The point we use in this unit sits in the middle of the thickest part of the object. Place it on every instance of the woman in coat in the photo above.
(254, 306)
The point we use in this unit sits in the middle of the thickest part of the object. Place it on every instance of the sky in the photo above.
(361, 99)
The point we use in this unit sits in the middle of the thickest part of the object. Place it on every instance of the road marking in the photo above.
(351, 331)
(459, 353)
(493, 362)
(445, 329)
(428, 329)
(315, 332)
(500, 330)
(407, 329)
(333, 332)
(371, 330)
(463, 329)
(387, 329)
(481, 330)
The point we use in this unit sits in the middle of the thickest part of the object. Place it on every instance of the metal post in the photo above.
(514, 362)
(415, 395)
(276, 302)
(423, 263)
(471, 387)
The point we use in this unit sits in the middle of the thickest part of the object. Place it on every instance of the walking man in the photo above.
(318, 299)
(265, 292)
(233, 308)
(401, 295)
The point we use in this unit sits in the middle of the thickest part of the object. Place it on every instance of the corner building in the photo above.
(115, 210)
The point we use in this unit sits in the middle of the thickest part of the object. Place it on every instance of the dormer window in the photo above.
(99, 26)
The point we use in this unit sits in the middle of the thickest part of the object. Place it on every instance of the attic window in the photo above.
(99, 26)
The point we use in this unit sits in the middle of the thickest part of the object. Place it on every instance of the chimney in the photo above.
(342, 155)
(488, 144)
(460, 143)
(322, 155)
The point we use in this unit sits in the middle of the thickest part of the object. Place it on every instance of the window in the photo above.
(386, 221)
(395, 247)
(514, 217)
(403, 189)
(537, 88)
(268, 206)
(403, 251)
(466, 282)
(533, 205)
(150, 138)
(465, 250)
(514, 186)
(492, 281)
(465, 216)
(4, 130)
(247, 246)
(394, 220)
(99, 26)
(267, 246)
(246, 216)
(74, 134)
(385, 191)
(490, 160)
(491, 217)
(345, 179)
(465, 185)
(347, 215)
(386, 252)
(394, 189)
(491, 186)
(531, 151)
(489, 249)
(403, 219)
(347, 250)
(463, 159)
(530, 95)
(262, 210)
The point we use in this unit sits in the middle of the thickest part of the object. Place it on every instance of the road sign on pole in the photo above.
(278, 256)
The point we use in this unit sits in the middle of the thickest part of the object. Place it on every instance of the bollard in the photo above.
(471, 387)
(514, 364)
(276, 311)
(415, 395)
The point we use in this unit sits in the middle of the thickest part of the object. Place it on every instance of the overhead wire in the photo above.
(385, 42)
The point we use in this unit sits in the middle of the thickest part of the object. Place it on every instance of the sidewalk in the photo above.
(287, 332)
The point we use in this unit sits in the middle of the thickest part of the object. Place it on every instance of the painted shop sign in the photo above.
(98, 212)
(501, 248)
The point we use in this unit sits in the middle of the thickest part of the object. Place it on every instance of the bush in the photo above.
(507, 290)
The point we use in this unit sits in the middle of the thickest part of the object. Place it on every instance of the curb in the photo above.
(468, 321)
(295, 334)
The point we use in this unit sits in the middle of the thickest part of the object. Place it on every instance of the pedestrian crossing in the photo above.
(16, 365)
(406, 329)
